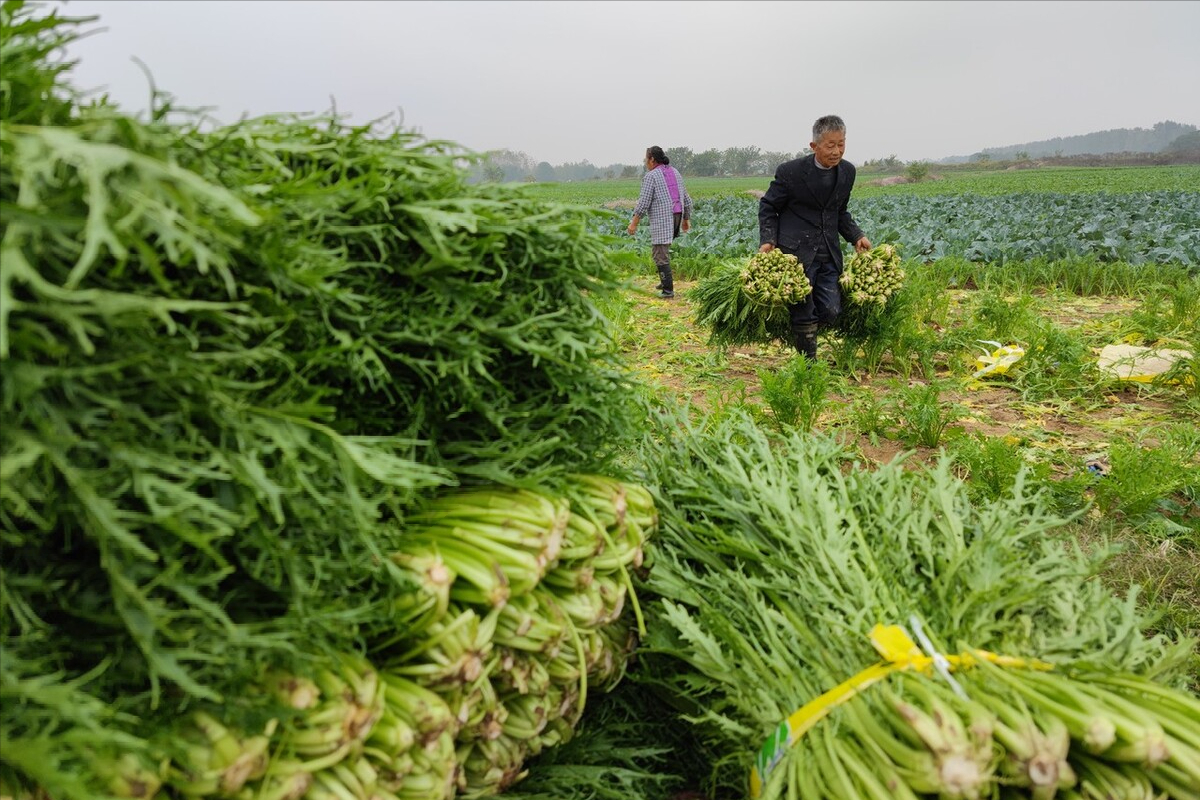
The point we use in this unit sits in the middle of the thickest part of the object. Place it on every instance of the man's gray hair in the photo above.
(828, 124)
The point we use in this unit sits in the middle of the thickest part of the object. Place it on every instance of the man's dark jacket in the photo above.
(792, 218)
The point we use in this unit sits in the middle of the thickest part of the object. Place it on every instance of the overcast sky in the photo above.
(601, 81)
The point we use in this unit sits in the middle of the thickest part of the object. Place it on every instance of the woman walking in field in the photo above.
(666, 200)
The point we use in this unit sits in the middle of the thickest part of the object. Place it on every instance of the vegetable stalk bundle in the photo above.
(456, 707)
(872, 276)
(731, 316)
(778, 556)
(774, 279)
(872, 284)
(493, 545)
(523, 604)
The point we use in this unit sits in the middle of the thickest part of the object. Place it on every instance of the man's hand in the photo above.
(766, 248)
(686, 226)
(632, 229)
(862, 245)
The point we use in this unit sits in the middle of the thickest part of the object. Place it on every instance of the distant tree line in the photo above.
(1165, 140)
(510, 165)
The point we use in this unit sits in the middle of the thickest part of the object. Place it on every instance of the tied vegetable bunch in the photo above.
(518, 616)
(876, 304)
(774, 278)
(873, 276)
(778, 558)
(744, 301)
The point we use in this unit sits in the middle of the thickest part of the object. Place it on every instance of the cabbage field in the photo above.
(327, 474)
(997, 219)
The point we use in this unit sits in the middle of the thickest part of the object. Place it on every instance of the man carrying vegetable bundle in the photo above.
(666, 200)
(802, 213)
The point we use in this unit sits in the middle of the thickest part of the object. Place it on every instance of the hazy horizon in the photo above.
(601, 81)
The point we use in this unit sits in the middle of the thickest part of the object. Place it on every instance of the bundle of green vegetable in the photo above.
(462, 694)
(234, 363)
(536, 615)
(775, 278)
(743, 301)
(779, 558)
(351, 732)
(872, 282)
(872, 276)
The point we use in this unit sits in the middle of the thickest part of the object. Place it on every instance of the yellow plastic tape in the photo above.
(899, 653)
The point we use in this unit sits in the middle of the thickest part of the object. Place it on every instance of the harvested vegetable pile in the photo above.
(249, 374)
(312, 485)
(785, 573)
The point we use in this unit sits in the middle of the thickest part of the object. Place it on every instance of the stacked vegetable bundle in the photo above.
(515, 650)
(235, 363)
(518, 617)
(745, 302)
(1020, 676)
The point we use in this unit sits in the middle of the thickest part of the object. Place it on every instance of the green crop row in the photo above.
(1146, 228)
(1063, 180)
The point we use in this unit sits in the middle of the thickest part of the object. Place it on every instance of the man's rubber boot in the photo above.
(806, 341)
